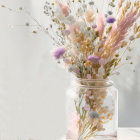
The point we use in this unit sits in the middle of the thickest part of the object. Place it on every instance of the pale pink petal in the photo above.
(64, 8)
(89, 76)
(87, 107)
(73, 126)
(100, 24)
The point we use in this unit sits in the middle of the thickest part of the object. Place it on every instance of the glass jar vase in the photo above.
(92, 110)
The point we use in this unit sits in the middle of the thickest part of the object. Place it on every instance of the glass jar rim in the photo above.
(102, 83)
(100, 80)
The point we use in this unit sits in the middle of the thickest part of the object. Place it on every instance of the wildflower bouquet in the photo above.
(91, 44)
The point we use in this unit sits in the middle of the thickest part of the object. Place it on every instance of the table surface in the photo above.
(127, 134)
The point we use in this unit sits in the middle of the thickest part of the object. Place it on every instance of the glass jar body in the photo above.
(92, 110)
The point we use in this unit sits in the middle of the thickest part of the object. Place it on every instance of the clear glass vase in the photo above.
(92, 110)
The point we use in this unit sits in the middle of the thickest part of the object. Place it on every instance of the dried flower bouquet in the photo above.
(91, 44)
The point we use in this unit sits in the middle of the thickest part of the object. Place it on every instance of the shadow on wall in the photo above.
(130, 114)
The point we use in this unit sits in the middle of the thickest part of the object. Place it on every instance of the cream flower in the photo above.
(89, 14)
(66, 19)
(69, 20)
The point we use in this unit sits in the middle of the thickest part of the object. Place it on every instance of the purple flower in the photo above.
(89, 92)
(87, 107)
(59, 52)
(76, 70)
(94, 26)
(66, 60)
(89, 76)
(93, 58)
(110, 20)
(67, 32)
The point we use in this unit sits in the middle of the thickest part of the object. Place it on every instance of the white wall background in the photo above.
(32, 86)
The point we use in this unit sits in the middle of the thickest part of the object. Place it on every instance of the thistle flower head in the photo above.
(93, 58)
(110, 20)
(93, 114)
(58, 53)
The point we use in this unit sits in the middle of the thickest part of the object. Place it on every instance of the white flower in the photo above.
(91, 97)
(69, 20)
(80, 12)
(66, 19)
(101, 70)
(59, 15)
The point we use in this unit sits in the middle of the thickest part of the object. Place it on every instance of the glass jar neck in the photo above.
(94, 83)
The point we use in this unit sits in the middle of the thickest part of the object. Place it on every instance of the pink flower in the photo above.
(66, 60)
(64, 8)
(89, 76)
(89, 92)
(95, 122)
(116, 37)
(100, 24)
(76, 70)
(87, 107)
(73, 126)
(73, 28)
(93, 58)
(102, 61)
(67, 32)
